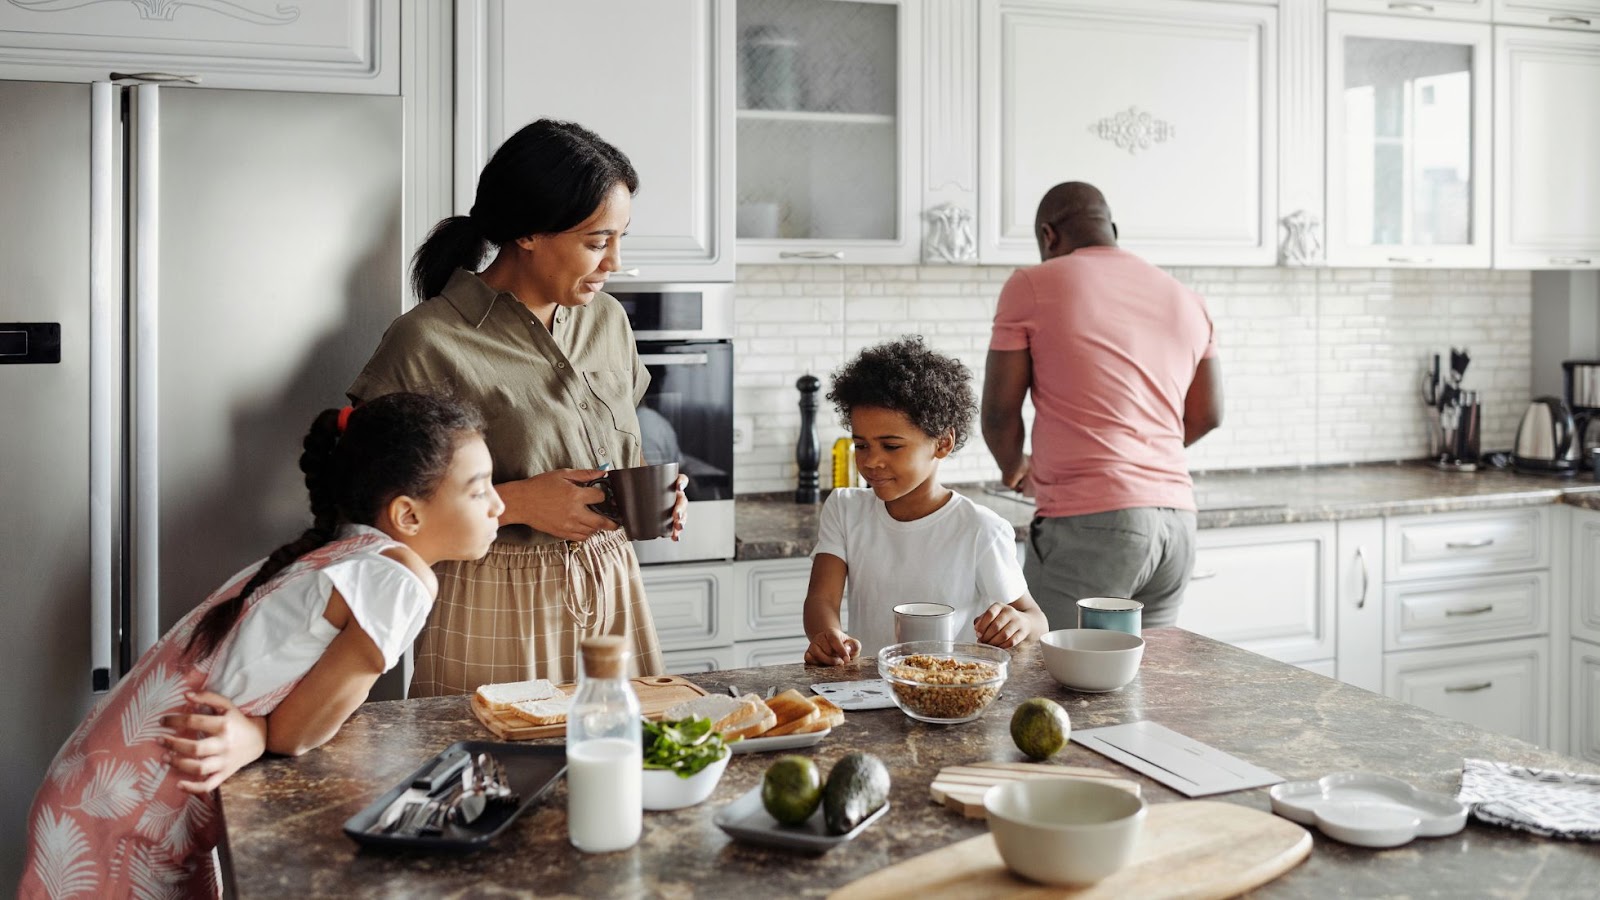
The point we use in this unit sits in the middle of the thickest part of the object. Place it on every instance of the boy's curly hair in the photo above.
(934, 391)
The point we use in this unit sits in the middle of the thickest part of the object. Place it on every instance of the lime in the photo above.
(1040, 727)
(791, 789)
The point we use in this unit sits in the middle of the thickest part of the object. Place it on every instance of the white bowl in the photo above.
(1093, 660)
(663, 789)
(1064, 831)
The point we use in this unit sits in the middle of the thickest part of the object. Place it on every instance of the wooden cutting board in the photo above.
(656, 694)
(1194, 849)
(961, 787)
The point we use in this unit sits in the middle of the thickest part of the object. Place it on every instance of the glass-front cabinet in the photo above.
(828, 143)
(1408, 142)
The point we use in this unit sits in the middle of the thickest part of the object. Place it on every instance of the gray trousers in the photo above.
(1141, 554)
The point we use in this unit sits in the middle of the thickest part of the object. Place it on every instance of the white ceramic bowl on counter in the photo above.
(1064, 831)
(1093, 660)
(663, 789)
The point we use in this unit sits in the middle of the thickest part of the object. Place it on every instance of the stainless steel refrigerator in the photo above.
(186, 276)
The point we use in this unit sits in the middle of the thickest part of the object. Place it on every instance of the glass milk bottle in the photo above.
(605, 762)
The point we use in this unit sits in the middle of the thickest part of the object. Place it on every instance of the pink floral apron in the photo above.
(110, 820)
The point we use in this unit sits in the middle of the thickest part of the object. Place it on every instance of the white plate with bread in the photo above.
(753, 725)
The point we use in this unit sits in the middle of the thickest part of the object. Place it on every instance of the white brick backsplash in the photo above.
(1320, 366)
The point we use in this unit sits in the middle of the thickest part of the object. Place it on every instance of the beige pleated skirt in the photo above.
(520, 613)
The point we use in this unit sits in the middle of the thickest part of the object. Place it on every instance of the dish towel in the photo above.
(1545, 802)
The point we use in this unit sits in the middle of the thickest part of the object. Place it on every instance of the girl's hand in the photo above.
(556, 503)
(680, 507)
(222, 741)
(832, 647)
(1001, 626)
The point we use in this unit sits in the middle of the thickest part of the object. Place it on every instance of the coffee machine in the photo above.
(1581, 386)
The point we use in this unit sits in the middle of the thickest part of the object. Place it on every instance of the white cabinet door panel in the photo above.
(710, 659)
(774, 652)
(1502, 687)
(774, 597)
(1268, 589)
(1577, 14)
(1464, 10)
(1586, 575)
(1585, 724)
(1547, 143)
(652, 77)
(1168, 106)
(1467, 543)
(689, 604)
(1461, 610)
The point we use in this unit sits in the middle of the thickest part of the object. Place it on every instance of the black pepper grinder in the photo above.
(807, 450)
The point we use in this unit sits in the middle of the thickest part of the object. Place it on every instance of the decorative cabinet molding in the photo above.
(1547, 149)
(1461, 10)
(950, 131)
(1300, 134)
(1585, 588)
(1584, 739)
(1268, 589)
(1501, 687)
(663, 95)
(1583, 15)
(340, 46)
(1179, 132)
(690, 604)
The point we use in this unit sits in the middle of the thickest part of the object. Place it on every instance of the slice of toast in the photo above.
(760, 719)
(500, 697)
(795, 713)
(542, 712)
(829, 714)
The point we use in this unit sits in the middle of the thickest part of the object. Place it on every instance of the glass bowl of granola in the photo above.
(944, 682)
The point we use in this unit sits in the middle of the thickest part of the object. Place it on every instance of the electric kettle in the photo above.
(1547, 440)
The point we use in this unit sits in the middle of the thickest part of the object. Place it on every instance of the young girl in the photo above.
(906, 537)
(127, 807)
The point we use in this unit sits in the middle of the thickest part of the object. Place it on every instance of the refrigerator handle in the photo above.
(105, 337)
(145, 236)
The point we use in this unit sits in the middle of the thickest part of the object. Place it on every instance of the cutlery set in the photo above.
(455, 790)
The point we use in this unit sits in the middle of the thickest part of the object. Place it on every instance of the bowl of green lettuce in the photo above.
(683, 761)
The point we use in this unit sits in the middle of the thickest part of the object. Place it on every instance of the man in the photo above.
(1120, 360)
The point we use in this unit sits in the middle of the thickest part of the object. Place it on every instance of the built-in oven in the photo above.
(685, 338)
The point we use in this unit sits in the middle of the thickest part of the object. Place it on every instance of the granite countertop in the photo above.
(773, 526)
(283, 816)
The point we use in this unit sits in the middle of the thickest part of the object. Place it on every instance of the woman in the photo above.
(550, 360)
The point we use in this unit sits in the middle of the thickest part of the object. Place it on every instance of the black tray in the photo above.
(532, 771)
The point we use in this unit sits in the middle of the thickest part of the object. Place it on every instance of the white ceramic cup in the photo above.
(925, 622)
(1063, 831)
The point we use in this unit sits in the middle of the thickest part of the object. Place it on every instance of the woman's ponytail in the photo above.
(317, 462)
(455, 243)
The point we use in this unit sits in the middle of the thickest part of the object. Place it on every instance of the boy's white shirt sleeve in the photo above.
(387, 599)
(1000, 578)
(831, 527)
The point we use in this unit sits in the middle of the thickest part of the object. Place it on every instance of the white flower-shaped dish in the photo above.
(1368, 810)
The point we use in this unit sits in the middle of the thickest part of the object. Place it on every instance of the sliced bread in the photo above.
(761, 718)
(542, 712)
(724, 712)
(794, 711)
(829, 714)
(500, 697)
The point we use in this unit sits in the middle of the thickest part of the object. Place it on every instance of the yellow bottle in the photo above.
(843, 462)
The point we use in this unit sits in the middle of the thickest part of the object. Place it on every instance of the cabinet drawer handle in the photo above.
(1202, 575)
(1361, 557)
(1570, 260)
(1469, 688)
(811, 254)
(1470, 612)
(1413, 7)
(1478, 544)
(1418, 260)
(1568, 20)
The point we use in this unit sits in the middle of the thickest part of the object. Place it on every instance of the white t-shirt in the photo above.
(961, 554)
(284, 633)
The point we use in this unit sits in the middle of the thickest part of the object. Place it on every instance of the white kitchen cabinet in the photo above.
(1578, 14)
(773, 597)
(1358, 617)
(1408, 163)
(652, 77)
(1501, 687)
(1268, 589)
(1463, 10)
(707, 659)
(1467, 610)
(1547, 149)
(1584, 739)
(1168, 106)
(1585, 566)
(829, 134)
(1468, 543)
(771, 652)
(341, 46)
(691, 604)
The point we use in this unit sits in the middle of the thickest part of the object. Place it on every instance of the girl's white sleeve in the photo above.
(831, 529)
(388, 600)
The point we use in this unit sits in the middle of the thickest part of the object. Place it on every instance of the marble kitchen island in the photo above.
(283, 816)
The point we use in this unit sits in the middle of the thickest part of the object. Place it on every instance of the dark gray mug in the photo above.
(640, 499)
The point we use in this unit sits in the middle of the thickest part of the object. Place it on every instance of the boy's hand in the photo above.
(223, 740)
(832, 647)
(1001, 626)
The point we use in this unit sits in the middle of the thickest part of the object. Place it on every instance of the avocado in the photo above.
(857, 787)
(791, 789)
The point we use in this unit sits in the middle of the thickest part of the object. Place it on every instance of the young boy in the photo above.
(907, 538)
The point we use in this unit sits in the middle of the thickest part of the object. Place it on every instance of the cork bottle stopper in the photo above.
(603, 656)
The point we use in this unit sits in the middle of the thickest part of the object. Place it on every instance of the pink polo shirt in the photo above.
(1115, 342)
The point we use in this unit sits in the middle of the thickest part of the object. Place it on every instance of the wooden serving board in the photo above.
(656, 694)
(962, 787)
(1194, 849)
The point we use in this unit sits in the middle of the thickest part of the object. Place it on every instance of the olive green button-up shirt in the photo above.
(556, 399)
